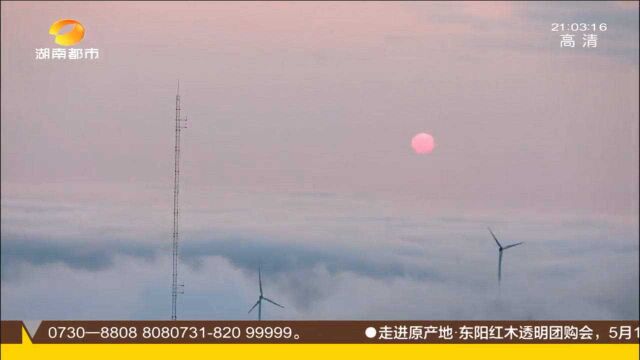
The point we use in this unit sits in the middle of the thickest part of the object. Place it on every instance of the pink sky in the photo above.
(326, 96)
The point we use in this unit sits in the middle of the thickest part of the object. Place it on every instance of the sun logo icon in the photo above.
(72, 37)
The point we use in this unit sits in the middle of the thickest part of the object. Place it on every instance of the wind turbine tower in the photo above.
(180, 124)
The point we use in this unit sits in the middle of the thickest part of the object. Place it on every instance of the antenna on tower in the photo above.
(175, 287)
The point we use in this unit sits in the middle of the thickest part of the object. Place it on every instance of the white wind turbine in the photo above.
(262, 297)
(500, 250)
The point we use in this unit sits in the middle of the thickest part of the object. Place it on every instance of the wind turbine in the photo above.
(262, 297)
(500, 250)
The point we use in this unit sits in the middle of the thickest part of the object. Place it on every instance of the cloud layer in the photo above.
(436, 268)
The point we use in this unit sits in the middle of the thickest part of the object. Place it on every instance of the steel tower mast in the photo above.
(176, 207)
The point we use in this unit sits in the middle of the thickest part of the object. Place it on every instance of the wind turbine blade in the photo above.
(254, 306)
(512, 245)
(495, 238)
(273, 302)
(260, 279)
